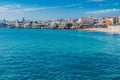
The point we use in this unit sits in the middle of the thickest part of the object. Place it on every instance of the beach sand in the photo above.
(110, 29)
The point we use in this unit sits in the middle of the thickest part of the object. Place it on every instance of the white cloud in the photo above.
(103, 11)
(16, 11)
(66, 6)
(72, 5)
(14, 8)
(17, 8)
(32, 9)
(81, 7)
(52, 7)
(95, 0)
(115, 4)
(101, 5)
(12, 5)
(3, 9)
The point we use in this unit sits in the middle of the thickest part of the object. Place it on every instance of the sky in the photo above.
(57, 9)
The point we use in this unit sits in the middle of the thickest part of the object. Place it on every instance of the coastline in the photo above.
(109, 29)
(112, 30)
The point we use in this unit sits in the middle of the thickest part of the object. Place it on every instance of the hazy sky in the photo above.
(53, 9)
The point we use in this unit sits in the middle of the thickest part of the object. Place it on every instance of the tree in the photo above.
(36, 22)
(69, 25)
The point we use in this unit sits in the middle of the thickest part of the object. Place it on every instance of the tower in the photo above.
(23, 20)
(17, 23)
(4, 21)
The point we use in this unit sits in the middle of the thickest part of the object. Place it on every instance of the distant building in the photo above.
(3, 23)
(119, 20)
(100, 21)
(17, 23)
(108, 21)
(23, 20)
(89, 20)
(11, 24)
(115, 20)
(79, 20)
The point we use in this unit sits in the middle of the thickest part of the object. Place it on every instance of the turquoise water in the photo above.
(45, 54)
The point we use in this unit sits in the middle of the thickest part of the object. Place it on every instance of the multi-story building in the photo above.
(115, 20)
(89, 20)
(108, 21)
(119, 20)
(100, 21)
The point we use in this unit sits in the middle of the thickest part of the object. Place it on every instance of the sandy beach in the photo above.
(110, 29)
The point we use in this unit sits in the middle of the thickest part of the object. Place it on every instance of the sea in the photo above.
(52, 54)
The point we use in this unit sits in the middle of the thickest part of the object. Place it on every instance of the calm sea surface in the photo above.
(45, 54)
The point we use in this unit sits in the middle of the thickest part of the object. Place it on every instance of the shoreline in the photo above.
(112, 30)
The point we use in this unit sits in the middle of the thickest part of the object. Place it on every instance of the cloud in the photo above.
(101, 5)
(66, 6)
(81, 7)
(52, 7)
(3, 9)
(17, 8)
(103, 11)
(32, 9)
(95, 0)
(115, 4)
(16, 11)
(13, 6)
(10, 8)
(72, 5)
